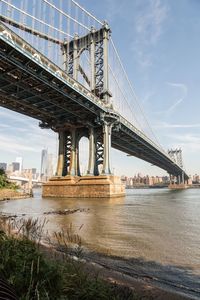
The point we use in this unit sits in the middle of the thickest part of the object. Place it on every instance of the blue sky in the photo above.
(158, 42)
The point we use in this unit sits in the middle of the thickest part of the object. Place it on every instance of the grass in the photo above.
(34, 275)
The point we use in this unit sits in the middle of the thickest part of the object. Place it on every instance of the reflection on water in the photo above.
(156, 225)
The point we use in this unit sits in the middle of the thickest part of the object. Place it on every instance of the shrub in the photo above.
(23, 266)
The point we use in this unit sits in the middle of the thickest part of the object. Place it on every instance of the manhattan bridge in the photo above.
(59, 65)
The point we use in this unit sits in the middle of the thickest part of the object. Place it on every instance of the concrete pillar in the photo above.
(76, 58)
(92, 152)
(183, 178)
(107, 145)
(74, 169)
(60, 163)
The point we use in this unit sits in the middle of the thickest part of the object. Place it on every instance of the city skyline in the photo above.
(167, 91)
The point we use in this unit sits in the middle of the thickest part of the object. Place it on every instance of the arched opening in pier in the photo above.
(83, 155)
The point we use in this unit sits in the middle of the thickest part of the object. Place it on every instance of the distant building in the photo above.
(15, 166)
(34, 172)
(140, 180)
(196, 179)
(44, 163)
(49, 165)
(3, 166)
(20, 161)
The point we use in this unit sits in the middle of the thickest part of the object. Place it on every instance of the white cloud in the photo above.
(14, 145)
(188, 142)
(22, 134)
(174, 105)
(183, 90)
(150, 21)
(181, 86)
(149, 28)
(167, 125)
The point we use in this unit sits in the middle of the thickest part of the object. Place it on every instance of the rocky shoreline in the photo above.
(10, 194)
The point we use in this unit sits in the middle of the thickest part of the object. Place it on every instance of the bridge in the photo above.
(69, 76)
(23, 179)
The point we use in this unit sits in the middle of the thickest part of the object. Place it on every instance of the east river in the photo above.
(152, 233)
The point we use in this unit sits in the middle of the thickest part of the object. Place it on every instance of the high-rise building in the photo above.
(3, 166)
(15, 166)
(49, 165)
(44, 162)
(20, 161)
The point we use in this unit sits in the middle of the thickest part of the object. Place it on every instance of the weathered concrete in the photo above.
(103, 186)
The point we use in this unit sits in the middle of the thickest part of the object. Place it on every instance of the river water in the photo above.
(151, 233)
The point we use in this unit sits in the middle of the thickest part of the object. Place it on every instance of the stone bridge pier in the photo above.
(99, 181)
(178, 182)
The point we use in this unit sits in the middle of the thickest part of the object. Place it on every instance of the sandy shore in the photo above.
(143, 288)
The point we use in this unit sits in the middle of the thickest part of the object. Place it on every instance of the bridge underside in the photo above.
(28, 87)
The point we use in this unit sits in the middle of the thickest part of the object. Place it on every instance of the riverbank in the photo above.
(11, 194)
(135, 236)
(92, 273)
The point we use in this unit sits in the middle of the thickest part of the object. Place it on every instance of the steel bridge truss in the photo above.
(96, 43)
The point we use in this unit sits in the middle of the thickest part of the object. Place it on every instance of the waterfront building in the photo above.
(19, 160)
(15, 166)
(3, 166)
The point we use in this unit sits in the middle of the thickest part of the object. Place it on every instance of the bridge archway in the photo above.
(83, 155)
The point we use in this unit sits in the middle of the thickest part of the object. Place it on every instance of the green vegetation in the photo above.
(39, 275)
(4, 183)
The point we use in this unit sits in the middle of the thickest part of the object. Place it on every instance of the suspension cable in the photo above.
(66, 15)
(130, 85)
(87, 12)
(36, 19)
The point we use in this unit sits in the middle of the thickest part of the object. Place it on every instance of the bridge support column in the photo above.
(74, 169)
(107, 145)
(60, 163)
(183, 178)
(92, 152)
(68, 153)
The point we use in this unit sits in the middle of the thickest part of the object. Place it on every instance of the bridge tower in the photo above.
(68, 182)
(178, 180)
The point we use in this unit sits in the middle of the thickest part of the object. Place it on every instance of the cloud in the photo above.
(174, 105)
(183, 90)
(114, 11)
(181, 86)
(148, 26)
(188, 142)
(14, 145)
(167, 125)
(150, 21)
(20, 134)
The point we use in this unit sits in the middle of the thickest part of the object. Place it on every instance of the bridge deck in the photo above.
(30, 84)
